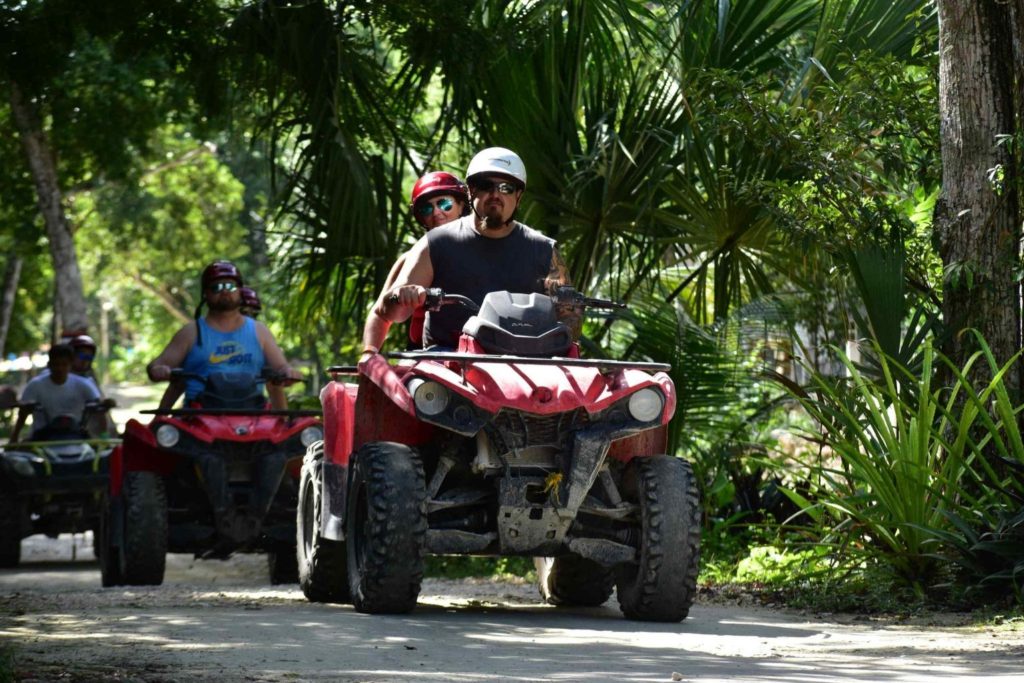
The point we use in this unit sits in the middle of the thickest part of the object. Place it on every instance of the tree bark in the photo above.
(164, 297)
(48, 194)
(12, 274)
(977, 218)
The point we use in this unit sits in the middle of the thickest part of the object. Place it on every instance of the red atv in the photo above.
(512, 445)
(217, 477)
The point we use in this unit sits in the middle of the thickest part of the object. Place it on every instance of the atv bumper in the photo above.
(25, 476)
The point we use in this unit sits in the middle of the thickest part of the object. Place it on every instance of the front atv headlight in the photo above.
(430, 397)
(167, 436)
(646, 405)
(22, 465)
(310, 435)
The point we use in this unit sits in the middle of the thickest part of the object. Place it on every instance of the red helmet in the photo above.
(435, 183)
(82, 341)
(221, 270)
(251, 299)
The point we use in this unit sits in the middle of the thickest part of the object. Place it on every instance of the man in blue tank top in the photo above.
(483, 252)
(222, 341)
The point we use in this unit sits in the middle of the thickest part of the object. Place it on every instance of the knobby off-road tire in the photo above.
(145, 529)
(573, 581)
(110, 556)
(386, 528)
(323, 569)
(10, 530)
(664, 583)
(282, 566)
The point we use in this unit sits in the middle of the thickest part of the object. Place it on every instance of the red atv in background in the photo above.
(512, 445)
(214, 478)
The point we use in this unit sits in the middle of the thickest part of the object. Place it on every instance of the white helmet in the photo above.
(497, 161)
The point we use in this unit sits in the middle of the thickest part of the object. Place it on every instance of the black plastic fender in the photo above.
(333, 501)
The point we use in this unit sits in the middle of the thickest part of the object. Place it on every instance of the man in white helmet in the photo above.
(486, 251)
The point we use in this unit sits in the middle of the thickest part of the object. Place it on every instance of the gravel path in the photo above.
(220, 621)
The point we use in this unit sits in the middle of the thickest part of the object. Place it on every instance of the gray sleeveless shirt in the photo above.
(467, 263)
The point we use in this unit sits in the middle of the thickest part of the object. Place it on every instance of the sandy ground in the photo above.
(221, 621)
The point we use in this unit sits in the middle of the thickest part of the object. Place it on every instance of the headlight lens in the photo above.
(310, 435)
(430, 397)
(646, 405)
(22, 466)
(167, 436)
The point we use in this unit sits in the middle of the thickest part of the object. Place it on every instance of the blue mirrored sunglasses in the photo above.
(426, 207)
(223, 286)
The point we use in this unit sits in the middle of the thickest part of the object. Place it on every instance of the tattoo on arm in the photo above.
(558, 276)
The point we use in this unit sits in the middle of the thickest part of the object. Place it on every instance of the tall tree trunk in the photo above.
(62, 244)
(12, 273)
(977, 218)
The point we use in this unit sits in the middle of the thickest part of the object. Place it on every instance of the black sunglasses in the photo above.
(488, 186)
(223, 287)
(426, 208)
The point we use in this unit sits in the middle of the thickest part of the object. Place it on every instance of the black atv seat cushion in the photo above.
(519, 325)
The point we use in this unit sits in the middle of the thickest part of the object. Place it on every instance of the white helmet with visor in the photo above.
(497, 161)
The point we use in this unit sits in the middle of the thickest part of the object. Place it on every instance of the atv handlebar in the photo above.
(436, 298)
(568, 295)
(564, 295)
(100, 406)
(267, 375)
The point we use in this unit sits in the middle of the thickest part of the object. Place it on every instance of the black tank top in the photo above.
(467, 263)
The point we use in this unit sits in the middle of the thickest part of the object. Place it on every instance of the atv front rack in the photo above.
(188, 412)
(466, 358)
(100, 442)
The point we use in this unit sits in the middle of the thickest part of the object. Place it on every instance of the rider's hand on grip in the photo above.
(159, 373)
(407, 295)
(285, 377)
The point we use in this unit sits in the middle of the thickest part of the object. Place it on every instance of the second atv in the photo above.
(214, 478)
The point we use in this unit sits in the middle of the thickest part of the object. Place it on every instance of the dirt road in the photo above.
(220, 621)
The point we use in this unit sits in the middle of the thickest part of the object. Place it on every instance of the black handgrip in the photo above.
(275, 377)
(436, 298)
(178, 373)
(568, 295)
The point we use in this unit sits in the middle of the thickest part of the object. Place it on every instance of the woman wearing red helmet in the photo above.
(437, 198)
(251, 305)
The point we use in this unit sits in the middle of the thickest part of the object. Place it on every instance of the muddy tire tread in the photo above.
(10, 531)
(664, 585)
(145, 529)
(386, 561)
(323, 568)
(282, 566)
(110, 557)
(574, 581)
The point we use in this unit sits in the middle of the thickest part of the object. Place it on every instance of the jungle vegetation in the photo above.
(769, 184)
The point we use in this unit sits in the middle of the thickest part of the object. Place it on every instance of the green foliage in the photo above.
(7, 664)
(904, 469)
(772, 565)
(467, 566)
